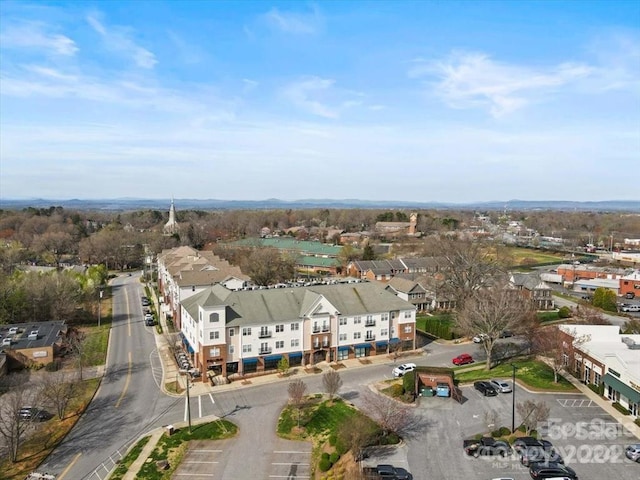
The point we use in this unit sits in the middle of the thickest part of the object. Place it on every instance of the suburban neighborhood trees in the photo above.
(492, 311)
(605, 299)
(13, 425)
(267, 266)
(58, 389)
(392, 415)
(297, 390)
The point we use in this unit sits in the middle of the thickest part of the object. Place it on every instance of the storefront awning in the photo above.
(186, 343)
(295, 355)
(272, 358)
(249, 361)
(381, 344)
(343, 348)
(363, 345)
(625, 390)
(394, 340)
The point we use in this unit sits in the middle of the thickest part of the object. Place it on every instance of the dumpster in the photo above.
(427, 392)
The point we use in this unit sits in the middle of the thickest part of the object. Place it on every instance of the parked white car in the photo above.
(480, 338)
(400, 370)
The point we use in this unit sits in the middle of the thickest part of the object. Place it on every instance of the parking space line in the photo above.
(289, 451)
(200, 406)
(290, 463)
(212, 400)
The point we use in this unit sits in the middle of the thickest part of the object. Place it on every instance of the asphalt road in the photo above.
(128, 402)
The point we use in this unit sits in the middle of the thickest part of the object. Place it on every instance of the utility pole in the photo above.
(188, 404)
(513, 400)
(100, 306)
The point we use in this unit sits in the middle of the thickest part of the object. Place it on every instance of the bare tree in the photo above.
(13, 427)
(391, 415)
(489, 312)
(266, 266)
(533, 413)
(297, 390)
(556, 345)
(468, 266)
(631, 327)
(76, 340)
(58, 389)
(591, 316)
(332, 383)
(356, 434)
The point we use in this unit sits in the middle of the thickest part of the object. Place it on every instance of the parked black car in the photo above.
(525, 442)
(551, 470)
(34, 413)
(486, 446)
(485, 388)
(531, 455)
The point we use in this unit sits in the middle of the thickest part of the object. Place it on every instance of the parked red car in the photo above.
(463, 359)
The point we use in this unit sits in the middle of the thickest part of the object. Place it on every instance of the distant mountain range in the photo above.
(128, 204)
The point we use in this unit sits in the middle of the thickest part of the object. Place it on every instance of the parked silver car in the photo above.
(501, 385)
(632, 452)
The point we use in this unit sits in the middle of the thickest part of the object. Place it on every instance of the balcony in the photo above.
(325, 328)
(265, 334)
(265, 351)
(325, 344)
(370, 323)
(316, 329)
(316, 344)
(369, 338)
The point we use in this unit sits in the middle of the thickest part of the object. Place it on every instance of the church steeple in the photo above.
(171, 226)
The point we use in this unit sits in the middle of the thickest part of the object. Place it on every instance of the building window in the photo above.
(342, 337)
(214, 335)
(384, 332)
(295, 342)
(279, 328)
(214, 352)
(356, 335)
(407, 314)
(246, 331)
(295, 327)
(408, 329)
(343, 320)
(369, 318)
(232, 349)
(200, 316)
(232, 332)
(280, 344)
(384, 317)
(357, 320)
(596, 379)
(214, 317)
(246, 349)
(565, 360)
(343, 354)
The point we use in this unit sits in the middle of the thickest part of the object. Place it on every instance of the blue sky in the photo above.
(446, 101)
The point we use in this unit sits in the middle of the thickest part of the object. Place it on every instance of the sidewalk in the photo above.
(625, 420)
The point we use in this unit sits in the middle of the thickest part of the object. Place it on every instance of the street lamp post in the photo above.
(513, 400)
(100, 306)
(188, 404)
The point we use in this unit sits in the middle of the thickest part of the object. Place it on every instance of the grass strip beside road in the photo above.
(128, 459)
(534, 374)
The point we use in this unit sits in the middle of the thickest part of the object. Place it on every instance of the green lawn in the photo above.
(535, 374)
(129, 458)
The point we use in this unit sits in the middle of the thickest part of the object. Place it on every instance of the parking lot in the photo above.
(590, 441)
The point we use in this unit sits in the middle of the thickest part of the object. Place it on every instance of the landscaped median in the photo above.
(534, 374)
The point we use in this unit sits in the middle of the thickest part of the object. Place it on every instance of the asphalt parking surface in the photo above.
(590, 441)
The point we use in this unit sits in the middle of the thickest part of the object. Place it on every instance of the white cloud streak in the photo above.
(294, 23)
(37, 36)
(118, 39)
(474, 80)
(303, 94)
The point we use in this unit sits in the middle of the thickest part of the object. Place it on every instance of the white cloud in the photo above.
(37, 36)
(303, 94)
(118, 39)
(295, 23)
(468, 80)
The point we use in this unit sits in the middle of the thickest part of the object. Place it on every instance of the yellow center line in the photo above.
(126, 383)
(66, 470)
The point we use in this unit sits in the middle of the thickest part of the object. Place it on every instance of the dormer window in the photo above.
(214, 317)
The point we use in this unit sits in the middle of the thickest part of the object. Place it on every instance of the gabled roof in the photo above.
(405, 285)
(256, 307)
(528, 281)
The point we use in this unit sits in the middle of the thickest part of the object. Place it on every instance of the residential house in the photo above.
(533, 288)
(243, 332)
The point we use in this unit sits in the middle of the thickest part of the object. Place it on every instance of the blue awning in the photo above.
(248, 361)
(187, 344)
(295, 354)
(381, 344)
(272, 358)
(394, 340)
(363, 345)
(343, 348)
